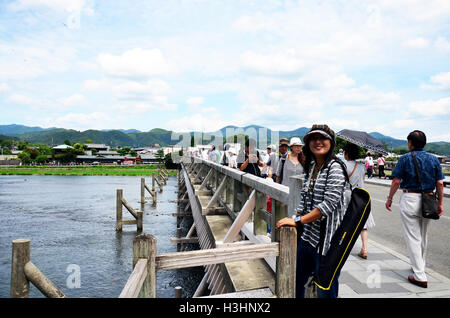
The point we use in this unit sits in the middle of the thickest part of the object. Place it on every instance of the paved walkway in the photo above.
(385, 274)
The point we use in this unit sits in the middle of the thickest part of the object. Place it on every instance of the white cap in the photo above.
(295, 141)
(272, 147)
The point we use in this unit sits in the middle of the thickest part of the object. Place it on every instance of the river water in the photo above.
(70, 221)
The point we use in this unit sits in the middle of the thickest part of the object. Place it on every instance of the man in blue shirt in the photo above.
(414, 225)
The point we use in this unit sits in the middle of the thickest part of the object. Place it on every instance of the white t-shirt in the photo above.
(381, 161)
(369, 161)
(357, 178)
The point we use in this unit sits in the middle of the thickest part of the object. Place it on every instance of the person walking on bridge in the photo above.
(415, 227)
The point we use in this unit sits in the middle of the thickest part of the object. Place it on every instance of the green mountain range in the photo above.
(136, 138)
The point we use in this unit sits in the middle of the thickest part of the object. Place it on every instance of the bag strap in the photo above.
(354, 168)
(322, 223)
(283, 161)
(416, 166)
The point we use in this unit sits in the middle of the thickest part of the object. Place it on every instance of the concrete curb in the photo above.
(446, 194)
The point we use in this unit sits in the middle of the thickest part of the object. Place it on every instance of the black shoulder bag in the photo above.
(429, 200)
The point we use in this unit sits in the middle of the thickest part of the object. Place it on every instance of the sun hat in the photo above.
(295, 141)
(324, 130)
(284, 141)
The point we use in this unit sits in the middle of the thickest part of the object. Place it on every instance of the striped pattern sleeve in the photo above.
(334, 188)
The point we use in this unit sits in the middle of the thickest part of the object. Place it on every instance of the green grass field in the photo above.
(83, 170)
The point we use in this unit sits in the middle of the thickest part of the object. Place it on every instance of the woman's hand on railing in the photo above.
(285, 222)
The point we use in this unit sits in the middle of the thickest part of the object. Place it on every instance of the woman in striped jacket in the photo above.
(322, 203)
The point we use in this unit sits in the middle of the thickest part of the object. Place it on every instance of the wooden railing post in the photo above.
(279, 211)
(20, 285)
(295, 187)
(144, 246)
(142, 190)
(259, 225)
(153, 189)
(139, 220)
(286, 263)
(119, 210)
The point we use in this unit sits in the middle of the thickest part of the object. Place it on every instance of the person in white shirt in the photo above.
(369, 165)
(232, 159)
(356, 173)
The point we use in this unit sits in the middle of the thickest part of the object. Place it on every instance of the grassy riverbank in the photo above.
(83, 170)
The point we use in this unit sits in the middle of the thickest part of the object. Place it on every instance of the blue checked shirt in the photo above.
(429, 168)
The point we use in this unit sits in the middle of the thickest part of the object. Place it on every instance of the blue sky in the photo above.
(203, 64)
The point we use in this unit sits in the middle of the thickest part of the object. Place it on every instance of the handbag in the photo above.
(429, 200)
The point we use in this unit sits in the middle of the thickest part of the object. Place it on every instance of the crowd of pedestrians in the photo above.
(327, 188)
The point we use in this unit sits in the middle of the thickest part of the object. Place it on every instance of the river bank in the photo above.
(84, 170)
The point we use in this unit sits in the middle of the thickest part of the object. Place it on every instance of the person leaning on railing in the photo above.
(322, 200)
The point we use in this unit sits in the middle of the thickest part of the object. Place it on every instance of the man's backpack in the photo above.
(344, 238)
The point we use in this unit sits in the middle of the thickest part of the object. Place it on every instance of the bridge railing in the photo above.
(245, 197)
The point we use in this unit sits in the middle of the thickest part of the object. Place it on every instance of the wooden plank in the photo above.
(247, 229)
(136, 280)
(218, 192)
(183, 240)
(125, 222)
(241, 219)
(41, 282)
(215, 256)
(129, 208)
(206, 180)
(254, 293)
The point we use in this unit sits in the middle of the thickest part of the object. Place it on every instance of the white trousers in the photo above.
(415, 232)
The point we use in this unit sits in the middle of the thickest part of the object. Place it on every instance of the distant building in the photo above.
(61, 148)
(98, 147)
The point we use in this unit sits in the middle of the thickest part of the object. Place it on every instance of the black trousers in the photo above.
(381, 171)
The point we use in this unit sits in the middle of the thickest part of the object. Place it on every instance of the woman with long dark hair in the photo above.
(321, 207)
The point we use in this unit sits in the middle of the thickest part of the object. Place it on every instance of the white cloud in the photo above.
(439, 81)
(136, 63)
(83, 121)
(28, 59)
(73, 100)
(198, 122)
(416, 43)
(4, 87)
(442, 44)
(429, 108)
(283, 62)
(59, 5)
(257, 22)
(19, 99)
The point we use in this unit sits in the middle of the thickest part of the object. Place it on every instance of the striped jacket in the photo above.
(328, 196)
